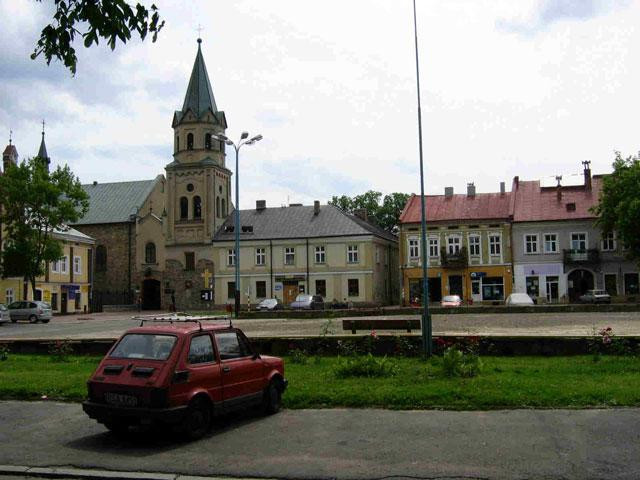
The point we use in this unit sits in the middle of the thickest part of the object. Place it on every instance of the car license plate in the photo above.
(120, 399)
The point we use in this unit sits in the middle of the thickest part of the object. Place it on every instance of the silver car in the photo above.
(32, 311)
(308, 302)
(595, 296)
(4, 314)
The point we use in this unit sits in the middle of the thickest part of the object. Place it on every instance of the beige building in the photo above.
(316, 249)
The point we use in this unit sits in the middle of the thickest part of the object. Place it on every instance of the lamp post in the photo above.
(243, 141)
(427, 340)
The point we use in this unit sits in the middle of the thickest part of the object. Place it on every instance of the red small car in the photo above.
(181, 374)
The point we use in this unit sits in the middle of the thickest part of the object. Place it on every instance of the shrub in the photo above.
(60, 350)
(458, 364)
(404, 347)
(299, 356)
(365, 366)
(4, 353)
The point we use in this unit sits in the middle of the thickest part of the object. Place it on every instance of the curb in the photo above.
(95, 474)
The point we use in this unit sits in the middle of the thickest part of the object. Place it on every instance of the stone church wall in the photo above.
(186, 284)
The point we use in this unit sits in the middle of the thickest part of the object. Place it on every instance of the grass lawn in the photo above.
(505, 382)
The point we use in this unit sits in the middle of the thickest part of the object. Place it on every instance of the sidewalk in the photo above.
(342, 444)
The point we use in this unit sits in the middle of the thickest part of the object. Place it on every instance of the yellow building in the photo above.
(468, 247)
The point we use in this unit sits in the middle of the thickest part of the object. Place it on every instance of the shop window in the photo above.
(492, 288)
(631, 284)
(533, 286)
(321, 288)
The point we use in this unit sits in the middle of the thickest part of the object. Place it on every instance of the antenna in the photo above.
(559, 179)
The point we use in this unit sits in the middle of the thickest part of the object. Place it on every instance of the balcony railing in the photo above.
(454, 260)
(581, 256)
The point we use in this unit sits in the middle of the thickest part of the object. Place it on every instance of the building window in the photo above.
(261, 256)
(197, 207)
(631, 284)
(495, 244)
(207, 141)
(63, 264)
(261, 289)
(474, 245)
(579, 241)
(320, 254)
(321, 288)
(190, 261)
(217, 206)
(101, 258)
(150, 253)
(184, 208)
(531, 244)
(231, 257)
(78, 305)
(231, 289)
(453, 245)
(77, 265)
(189, 141)
(352, 254)
(8, 296)
(414, 249)
(609, 242)
(354, 287)
(533, 286)
(55, 266)
(289, 256)
(434, 247)
(54, 301)
(550, 243)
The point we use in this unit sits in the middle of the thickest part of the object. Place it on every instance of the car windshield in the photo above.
(451, 298)
(2, 307)
(303, 298)
(144, 345)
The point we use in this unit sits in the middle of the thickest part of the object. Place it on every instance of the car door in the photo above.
(241, 370)
(18, 310)
(199, 368)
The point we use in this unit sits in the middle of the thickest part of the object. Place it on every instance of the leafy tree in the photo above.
(107, 19)
(618, 209)
(35, 202)
(384, 213)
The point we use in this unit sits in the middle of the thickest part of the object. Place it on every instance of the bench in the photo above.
(355, 324)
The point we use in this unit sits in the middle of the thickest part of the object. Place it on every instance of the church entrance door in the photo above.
(151, 295)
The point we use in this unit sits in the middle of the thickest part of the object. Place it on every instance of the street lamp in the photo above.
(427, 340)
(243, 141)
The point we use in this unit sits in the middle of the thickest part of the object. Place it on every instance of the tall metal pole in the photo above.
(237, 230)
(427, 340)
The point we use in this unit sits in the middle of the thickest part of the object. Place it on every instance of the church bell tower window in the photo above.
(190, 141)
(207, 141)
(184, 208)
(197, 207)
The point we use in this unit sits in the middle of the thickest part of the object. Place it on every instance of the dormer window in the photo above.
(190, 141)
(207, 141)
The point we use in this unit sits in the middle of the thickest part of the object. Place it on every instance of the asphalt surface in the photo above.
(112, 325)
(341, 444)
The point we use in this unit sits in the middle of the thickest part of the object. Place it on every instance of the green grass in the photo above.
(504, 382)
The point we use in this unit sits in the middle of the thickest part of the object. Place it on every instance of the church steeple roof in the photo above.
(42, 152)
(199, 96)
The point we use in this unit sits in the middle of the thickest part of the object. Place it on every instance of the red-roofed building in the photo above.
(469, 250)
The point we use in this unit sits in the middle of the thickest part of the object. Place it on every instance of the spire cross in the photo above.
(10, 135)
(43, 127)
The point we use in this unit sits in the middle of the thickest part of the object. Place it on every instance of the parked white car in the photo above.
(269, 304)
(518, 299)
(4, 314)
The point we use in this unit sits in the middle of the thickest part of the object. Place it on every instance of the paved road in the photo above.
(342, 444)
(111, 325)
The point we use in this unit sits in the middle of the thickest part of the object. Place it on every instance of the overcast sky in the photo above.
(528, 88)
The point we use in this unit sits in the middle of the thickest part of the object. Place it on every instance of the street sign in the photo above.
(206, 295)
(478, 274)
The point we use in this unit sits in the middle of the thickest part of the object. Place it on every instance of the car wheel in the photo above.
(272, 398)
(197, 420)
(33, 319)
(117, 427)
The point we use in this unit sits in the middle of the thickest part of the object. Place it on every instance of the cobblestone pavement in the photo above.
(111, 325)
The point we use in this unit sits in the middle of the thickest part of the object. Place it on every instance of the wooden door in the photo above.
(290, 293)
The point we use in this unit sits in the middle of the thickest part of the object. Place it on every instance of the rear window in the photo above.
(144, 345)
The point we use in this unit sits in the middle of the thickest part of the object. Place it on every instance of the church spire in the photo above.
(42, 152)
(199, 96)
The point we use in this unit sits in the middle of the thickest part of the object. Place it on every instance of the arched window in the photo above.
(101, 258)
(177, 143)
(184, 208)
(189, 141)
(197, 207)
(207, 141)
(217, 206)
(224, 208)
(150, 253)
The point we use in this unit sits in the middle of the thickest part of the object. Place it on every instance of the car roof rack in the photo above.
(181, 317)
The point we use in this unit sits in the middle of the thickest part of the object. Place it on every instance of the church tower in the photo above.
(198, 182)
(42, 151)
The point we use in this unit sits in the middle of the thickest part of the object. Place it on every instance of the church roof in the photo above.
(42, 152)
(299, 222)
(199, 96)
(115, 202)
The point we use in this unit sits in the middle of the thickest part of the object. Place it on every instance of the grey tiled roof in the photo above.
(115, 202)
(299, 222)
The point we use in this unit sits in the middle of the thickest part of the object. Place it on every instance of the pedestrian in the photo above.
(139, 303)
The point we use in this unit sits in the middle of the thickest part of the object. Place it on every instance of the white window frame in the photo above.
(320, 254)
(231, 257)
(434, 242)
(353, 254)
(261, 256)
(613, 240)
(64, 264)
(533, 240)
(544, 242)
(55, 267)
(492, 251)
(289, 255)
(458, 243)
(77, 265)
(586, 240)
(413, 248)
(8, 296)
(479, 244)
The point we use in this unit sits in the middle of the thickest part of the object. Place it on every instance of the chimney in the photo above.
(471, 190)
(502, 188)
(261, 205)
(559, 187)
(361, 213)
(448, 191)
(587, 175)
(316, 207)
